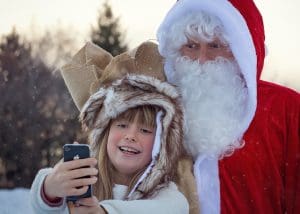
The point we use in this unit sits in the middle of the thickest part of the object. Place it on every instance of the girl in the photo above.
(135, 124)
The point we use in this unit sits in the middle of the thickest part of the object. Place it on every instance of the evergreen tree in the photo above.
(35, 111)
(107, 34)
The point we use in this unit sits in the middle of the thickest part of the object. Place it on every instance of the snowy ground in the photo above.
(15, 201)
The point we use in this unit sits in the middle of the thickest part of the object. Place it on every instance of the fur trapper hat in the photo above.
(103, 87)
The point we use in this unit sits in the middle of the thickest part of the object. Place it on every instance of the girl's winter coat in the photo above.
(102, 87)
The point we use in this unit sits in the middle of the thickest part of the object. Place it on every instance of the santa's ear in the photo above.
(84, 70)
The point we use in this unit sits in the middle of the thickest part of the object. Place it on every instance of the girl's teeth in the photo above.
(126, 149)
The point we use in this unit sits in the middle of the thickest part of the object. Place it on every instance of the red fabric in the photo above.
(255, 24)
(264, 176)
(51, 203)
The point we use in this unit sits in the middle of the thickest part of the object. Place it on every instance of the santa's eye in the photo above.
(218, 45)
(215, 45)
(191, 45)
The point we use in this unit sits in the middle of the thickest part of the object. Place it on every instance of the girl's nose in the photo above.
(130, 138)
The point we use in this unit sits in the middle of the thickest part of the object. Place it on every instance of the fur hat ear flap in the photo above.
(91, 110)
(83, 72)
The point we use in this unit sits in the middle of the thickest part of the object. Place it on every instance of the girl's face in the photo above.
(129, 146)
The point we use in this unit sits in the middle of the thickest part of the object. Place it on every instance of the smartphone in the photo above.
(74, 152)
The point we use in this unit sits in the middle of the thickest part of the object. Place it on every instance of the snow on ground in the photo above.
(15, 201)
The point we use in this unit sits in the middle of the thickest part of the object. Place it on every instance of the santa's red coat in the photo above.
(264, 176)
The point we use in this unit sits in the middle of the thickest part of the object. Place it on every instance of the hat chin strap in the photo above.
(155, 151)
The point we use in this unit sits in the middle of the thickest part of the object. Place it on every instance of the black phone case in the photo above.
(77, 151)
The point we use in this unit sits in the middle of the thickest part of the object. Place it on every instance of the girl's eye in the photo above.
(122, 125)
(146, 131)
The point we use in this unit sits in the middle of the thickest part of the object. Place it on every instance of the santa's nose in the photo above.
(201, 55)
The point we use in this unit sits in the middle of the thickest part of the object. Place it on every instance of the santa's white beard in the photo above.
(214, 98)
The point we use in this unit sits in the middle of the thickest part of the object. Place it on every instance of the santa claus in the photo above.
(242, 132)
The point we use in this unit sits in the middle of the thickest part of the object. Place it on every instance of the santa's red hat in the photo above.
(244, 30)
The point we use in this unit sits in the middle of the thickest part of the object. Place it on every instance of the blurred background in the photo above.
(37, 115)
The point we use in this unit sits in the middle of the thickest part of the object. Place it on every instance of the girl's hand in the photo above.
(87, 206)
(64, 179)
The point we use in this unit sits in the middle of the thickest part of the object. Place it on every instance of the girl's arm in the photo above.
(37, 202)
(51, 186)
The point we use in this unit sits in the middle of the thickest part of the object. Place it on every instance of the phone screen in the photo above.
(73, 152)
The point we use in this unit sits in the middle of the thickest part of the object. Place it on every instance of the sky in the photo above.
(140, 19)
